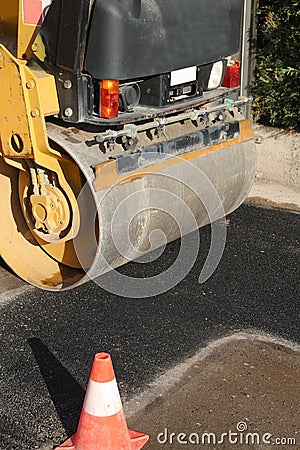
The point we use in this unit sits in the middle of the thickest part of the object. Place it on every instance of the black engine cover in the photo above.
(129, 39)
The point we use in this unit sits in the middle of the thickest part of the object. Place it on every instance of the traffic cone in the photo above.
(102, 424)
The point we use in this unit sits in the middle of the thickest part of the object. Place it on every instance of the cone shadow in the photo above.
(66, 394)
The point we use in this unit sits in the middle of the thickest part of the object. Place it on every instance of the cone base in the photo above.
(137, 441)
(68, 444)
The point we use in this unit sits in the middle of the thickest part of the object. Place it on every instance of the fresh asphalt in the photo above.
(48, 340)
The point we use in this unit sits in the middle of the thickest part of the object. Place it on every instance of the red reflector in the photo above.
(232, 75)
(109, 98)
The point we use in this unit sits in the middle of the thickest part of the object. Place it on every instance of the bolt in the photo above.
(67, 84)
(35, 113)
(68, 112)
(34, 47)
(61, 222)
(52, 205)
(30, 84)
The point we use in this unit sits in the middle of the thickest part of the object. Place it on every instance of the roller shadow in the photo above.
(66, 394)
(6, 267)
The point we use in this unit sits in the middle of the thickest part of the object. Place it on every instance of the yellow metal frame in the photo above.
(26, 35)
(9, 12)
(12, 24)
(27, 95)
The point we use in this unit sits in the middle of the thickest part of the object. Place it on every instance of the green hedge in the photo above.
(276, 87)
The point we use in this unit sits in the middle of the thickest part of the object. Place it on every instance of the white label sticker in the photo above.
(182, 76)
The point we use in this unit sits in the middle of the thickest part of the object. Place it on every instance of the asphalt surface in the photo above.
(235, 387)
(48, 340)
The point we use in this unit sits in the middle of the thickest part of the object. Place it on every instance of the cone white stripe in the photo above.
(102, 399)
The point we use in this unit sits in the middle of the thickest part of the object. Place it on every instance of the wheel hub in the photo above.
(50, 211)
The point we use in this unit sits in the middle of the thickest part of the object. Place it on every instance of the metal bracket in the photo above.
(26, 96)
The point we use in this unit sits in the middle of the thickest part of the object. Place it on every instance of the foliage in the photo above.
(276, 87)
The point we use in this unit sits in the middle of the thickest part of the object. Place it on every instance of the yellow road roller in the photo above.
(111, 112)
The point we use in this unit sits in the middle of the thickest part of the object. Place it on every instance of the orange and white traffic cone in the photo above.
(102, 424)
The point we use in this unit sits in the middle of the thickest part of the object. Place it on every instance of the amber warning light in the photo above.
(109, 98)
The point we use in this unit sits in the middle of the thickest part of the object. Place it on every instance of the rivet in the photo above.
(35, 113)
(30, 84)
(68, 112)
(67, 84)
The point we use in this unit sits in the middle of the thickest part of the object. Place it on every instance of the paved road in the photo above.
(48, 339)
